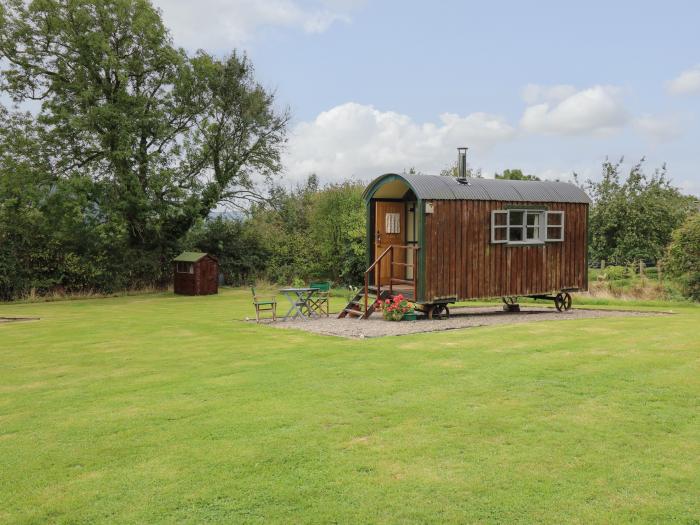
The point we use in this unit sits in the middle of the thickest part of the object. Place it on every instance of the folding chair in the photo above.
(319, 301)
(264, 304)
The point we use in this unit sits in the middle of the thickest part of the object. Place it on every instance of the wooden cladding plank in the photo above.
(458, 246)
(472, 251)
(462, 243)
(478, 253)
(452, 248)
(491, 287)
(467, 247)
(443, 267)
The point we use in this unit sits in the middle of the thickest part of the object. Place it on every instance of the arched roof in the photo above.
(436, 187)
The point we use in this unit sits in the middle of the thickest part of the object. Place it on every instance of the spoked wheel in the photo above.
(438, 311)
(563, 302)
(510, 301)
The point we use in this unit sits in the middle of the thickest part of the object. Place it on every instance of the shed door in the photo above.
(211, 276)
(390, 228)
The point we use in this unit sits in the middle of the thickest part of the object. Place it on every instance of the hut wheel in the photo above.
(438, 311)
(510, 300)
(563, 302)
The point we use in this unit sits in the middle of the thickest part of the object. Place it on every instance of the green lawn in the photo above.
(161, 409)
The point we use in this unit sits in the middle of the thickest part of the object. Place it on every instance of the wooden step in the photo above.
(361, 302)
(355, 307)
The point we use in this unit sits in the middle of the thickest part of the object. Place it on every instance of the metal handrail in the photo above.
(390, 250)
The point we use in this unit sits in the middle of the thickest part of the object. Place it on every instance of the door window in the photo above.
(393, 223)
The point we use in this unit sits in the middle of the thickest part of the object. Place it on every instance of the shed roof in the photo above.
(438, 187)
(189, 256)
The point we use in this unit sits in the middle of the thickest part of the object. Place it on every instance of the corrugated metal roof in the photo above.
(189, 257)
(448, 188)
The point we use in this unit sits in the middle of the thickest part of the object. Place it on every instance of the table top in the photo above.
(297, 289)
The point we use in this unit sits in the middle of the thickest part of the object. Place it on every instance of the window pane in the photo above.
(533, 233)
(410, 224)
(555, 233)
(515, 234)
(554, 219)
(516, 217)
(393, 223)
(499, 234)
(500, 219)
(533, 219)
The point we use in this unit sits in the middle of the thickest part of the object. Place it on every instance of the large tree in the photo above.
(165, 136)
(632, 217)
(682, 259)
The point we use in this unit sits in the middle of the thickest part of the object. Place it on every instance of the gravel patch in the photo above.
(13, 319)
(463, 317)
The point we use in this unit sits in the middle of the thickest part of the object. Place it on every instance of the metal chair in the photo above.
(264, 304)
(319, 302)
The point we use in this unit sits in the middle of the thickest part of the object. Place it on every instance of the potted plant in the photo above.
(395, 308)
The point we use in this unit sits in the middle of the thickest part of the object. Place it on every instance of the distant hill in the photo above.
(227, 214)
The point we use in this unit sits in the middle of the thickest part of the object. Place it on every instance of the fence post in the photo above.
(641, 269)
(602, 264)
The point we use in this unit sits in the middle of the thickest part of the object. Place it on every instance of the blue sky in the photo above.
(549, 87)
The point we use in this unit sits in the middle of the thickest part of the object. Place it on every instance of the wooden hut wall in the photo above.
(461, 262)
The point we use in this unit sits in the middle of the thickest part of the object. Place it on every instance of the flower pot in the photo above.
(411, 316)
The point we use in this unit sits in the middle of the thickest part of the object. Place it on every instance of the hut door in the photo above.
(390, 229)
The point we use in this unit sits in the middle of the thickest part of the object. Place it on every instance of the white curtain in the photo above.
(393, 223)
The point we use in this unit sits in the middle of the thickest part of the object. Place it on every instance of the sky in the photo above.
(551, 88)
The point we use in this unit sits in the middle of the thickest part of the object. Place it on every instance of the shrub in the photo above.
(614, 273)
(682, 259)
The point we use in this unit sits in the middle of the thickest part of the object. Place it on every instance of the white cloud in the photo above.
(687, 83)
(690, 186)
(536, 93)
(659, 128)
(218, 24)
(596, 110)
(355, 140)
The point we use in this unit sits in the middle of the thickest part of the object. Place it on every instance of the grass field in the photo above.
(161, 409)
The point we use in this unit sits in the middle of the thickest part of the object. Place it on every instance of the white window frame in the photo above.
(495, 226)
(542, 227)
(559, 226)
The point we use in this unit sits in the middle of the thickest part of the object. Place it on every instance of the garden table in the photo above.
(300, 300)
